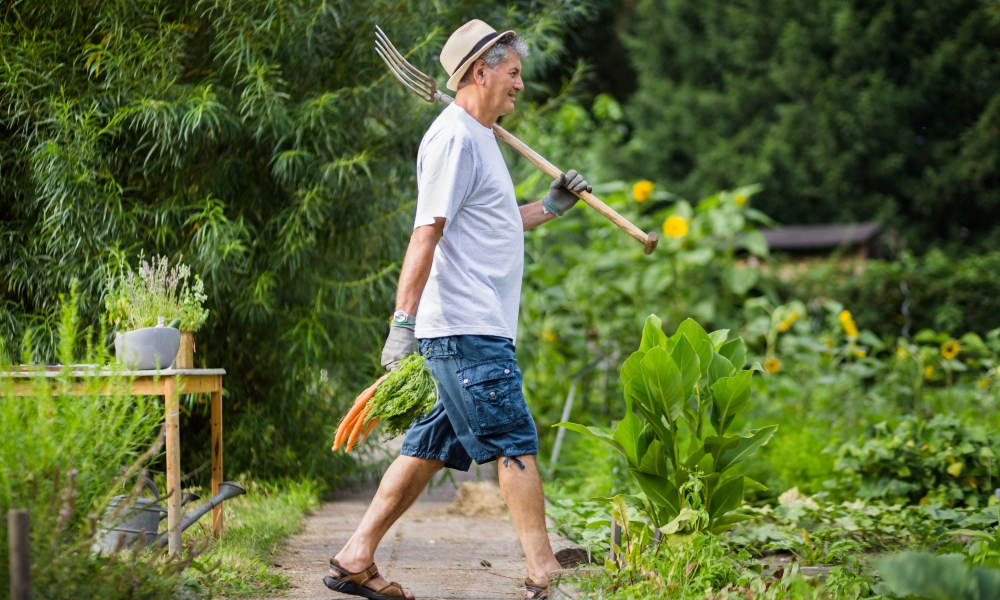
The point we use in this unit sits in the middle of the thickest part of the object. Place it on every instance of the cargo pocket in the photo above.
(491, 393)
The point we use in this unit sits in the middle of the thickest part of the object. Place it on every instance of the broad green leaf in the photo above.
(660, 491)
(664, 383)
(718, 338)
(745, 446)
(699, 340)
(632, 381)
(654, 461)
(735, 351)
(726, 497)
(660, 428)
(688, 363)
(652, 334)
(592, 432)
(730, 395)
(720, 367)
(728, 520)
(628, 434)
(753, 484)
(687, 515)
(755, 242)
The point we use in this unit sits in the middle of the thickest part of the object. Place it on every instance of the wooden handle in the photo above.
(648, 240)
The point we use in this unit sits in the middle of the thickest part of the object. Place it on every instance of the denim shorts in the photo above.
(480, 413)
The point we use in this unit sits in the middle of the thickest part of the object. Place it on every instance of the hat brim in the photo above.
(460, 71)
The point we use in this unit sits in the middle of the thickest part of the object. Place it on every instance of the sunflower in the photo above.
(928, 372)
(642, 190)
(772, 365)
(950, 349)
(786, 324)
(847, 322)
(675, 227)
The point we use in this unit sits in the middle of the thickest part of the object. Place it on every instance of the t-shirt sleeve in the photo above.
(445, 172)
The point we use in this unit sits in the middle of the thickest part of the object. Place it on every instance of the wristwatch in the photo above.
(401, 318)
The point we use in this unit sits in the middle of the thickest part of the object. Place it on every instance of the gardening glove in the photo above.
(560, 197)
(402, 342)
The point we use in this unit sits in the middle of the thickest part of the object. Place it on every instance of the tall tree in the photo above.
(844, 110)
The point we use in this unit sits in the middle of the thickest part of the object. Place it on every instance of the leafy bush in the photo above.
(941, 460)
(936, 291)
(682, 395)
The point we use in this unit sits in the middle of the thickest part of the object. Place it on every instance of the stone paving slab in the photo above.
(432, 551)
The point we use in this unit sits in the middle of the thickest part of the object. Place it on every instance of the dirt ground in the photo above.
(454, 543)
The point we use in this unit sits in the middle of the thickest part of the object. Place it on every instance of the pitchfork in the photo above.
(424, 86)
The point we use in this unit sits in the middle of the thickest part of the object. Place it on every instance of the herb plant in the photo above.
(156, 294)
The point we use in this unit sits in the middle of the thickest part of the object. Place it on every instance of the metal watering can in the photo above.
(139, 522)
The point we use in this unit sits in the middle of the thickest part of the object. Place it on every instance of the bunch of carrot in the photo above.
(353, 423)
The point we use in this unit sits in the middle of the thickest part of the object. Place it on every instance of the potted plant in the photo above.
(157, 309)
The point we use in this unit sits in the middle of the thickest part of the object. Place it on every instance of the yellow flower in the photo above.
(860, 352)
(847, 322)
(956, 469)
(740, 199)
(950, 349)
(772, 365)
(642, 190)
(928, 372)
(789, 320)
(984, 383)
(901, 352)
(675, 227)
(549, 336)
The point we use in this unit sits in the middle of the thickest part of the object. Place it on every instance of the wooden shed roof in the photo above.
(821, 237)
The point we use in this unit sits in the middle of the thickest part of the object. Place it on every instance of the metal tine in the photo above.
(404, 68)
(387, 44)
(418, 86)
(402, 79)
(411, 76)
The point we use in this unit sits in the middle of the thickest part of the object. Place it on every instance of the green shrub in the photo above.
(935, 291)
(62, 457)
(942, 460)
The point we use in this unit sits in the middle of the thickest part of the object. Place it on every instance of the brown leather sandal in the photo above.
(354, 583)
(538, 592)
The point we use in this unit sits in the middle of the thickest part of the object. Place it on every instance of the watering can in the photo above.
(139, 521)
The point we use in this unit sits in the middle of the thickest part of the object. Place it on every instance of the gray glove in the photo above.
(402, 342)
(560, 197)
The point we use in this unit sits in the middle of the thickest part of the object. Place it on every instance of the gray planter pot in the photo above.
(148, 348)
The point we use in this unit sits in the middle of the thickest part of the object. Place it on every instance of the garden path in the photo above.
(455, 542)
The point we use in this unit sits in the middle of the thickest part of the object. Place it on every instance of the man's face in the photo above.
(503, 83)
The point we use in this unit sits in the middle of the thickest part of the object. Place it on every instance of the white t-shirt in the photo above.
(475, 281)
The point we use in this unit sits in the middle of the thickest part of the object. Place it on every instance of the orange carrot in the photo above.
(371, 426)
(356, 430)
(347, 423)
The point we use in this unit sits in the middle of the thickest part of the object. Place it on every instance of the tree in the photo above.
(843, 110)
(265, 143)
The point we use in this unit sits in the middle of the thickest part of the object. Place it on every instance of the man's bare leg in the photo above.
(522, 491)
(401, 484)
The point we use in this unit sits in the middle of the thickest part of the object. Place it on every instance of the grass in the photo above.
(257, 523)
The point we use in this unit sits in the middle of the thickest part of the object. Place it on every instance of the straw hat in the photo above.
(468, 43)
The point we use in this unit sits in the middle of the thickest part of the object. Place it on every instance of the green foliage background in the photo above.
(264, 144)
(843, 110)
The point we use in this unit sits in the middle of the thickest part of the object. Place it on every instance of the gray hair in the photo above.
(498, 53)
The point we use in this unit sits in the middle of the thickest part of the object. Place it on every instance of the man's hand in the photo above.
(402, 342)
(560, 197)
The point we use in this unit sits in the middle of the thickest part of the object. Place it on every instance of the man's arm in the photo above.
(417, 265)
(561, 197)
(532, 215)
(402, 339)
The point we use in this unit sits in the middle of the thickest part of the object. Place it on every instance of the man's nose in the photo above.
(518, 83)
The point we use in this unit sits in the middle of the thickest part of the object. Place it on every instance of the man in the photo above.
(458, 293)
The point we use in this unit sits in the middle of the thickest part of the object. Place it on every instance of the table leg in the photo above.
(217, 456)
(172, 407)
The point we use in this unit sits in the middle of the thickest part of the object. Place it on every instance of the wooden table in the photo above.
(169, 383)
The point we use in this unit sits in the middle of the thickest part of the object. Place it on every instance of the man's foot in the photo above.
(536, 591)
(366, 583)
